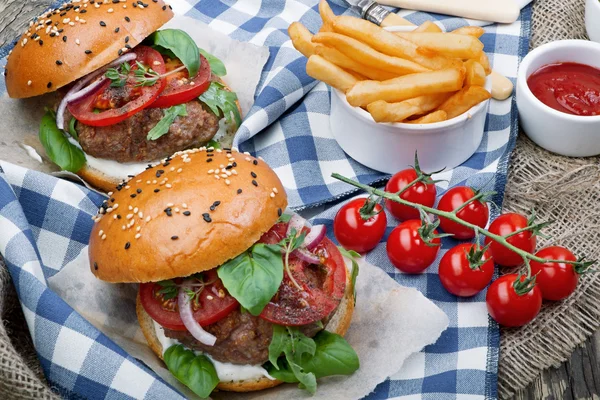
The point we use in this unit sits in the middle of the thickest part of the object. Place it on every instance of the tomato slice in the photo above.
(214, 303)
(179, 88)
(118, 103)
(323, 285)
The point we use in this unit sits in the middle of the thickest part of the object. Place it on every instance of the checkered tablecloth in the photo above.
(45, 222)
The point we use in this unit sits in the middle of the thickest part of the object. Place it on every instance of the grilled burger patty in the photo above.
(126, 140)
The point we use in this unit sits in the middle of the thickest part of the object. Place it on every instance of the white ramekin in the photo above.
(390, 147)
(592, 19)
(561, 133)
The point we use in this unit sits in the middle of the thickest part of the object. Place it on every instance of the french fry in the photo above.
(388, 43)
(364, 54)
(301, 39)
(475, 31)
(475, 75)
(463, 100)
(382, 111)
(321, 69)
(485, 63)
(327, 16)
(406, 87)
(340, 59)
(448, 44)
(428, 26)
(435, 116)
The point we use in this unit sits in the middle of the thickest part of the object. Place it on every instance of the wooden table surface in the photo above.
(576, 378)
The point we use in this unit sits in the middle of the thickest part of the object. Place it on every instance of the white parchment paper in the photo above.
(21, 118)
(390, 323)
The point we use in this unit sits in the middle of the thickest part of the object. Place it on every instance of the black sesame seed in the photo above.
(170, 8)
(168, 211)
(133, 195)
(126, 39)
(216, 203)
(49, 85)
(62, 14)
(255, 162)
(187, 213)
(96, 266)
(52, 34)
(253, 174)
(127, 19)
(234, 164)
(82, 11)
(239, 191)
(64, 38)
(139, 191)
(60, 30)
(88, 52)
(127, 245)
(254, 182)
(58, 62)
(279, 212)
(155, 1)
(130, 176)
(118, 216)
(115, 1)
(49, 22)
(164, 8)
(174, 237)
(229, 166)
(117, 29)
(112, 200)
(120, 52)
(206, 217)
(41, 42)
(166, 164)
(128, 46)
(135, 4)
(156, 190)
(208, 159)
(102, 23)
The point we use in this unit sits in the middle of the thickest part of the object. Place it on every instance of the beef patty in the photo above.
(126, 140)
(241, 338)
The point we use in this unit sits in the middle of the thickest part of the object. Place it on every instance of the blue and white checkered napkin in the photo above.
(45, 222)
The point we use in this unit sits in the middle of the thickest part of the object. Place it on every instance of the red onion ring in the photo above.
(187, 316)
(307, 256)
(76, 89)
(295, 223)
(314, 237)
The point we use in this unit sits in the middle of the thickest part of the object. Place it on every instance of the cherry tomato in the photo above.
(420, 193)
(407, 250)
(119, 103)
(353, 232)
(179, 88)
(214, 303)
(323, 285)
(456, 273)
(476, 212)
(504, 225)
(507, 307)
(556, 280)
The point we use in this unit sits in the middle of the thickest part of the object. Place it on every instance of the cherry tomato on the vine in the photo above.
(476, 212)
(556, 280)
(466, 269)
(408, 251)
(420, 193)
(504, 225)
(508, 307)
(353, 231)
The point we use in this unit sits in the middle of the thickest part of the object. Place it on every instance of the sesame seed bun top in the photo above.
(188, 214)
(64, 44)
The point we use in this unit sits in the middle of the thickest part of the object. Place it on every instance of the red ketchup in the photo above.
(568, 87)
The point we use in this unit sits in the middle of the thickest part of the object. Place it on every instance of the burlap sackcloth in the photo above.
(561, 189)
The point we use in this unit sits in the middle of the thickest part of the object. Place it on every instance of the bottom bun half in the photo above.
(339, 323)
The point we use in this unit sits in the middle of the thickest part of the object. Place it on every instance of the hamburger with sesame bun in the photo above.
(234, 293)
(130, 94)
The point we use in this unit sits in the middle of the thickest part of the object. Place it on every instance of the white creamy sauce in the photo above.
(225, 371)
(32, 153)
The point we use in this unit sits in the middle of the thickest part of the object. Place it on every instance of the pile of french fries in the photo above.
(423, 76)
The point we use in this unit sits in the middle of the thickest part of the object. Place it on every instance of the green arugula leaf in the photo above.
(222, 102)
(196, 372)
(181, 45)
(282, 371)
(162, 127)
(352, 256)
(254, 276)
(62, 152)
(73, 130)
(168, 290)
(214, 144)
(279, 343)
(216, 66)
(333, 356)
(285, 218)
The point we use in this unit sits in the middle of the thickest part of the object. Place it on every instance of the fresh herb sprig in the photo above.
(290, 243)
(118, 75)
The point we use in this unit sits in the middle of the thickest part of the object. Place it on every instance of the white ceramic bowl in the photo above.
(592, 19)
(561, 133)
(390, 147)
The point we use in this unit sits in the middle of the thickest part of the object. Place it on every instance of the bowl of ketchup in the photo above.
(558, 97)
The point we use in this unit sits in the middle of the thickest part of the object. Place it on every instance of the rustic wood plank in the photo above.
(577, 378)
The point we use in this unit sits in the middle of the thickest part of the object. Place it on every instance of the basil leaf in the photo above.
(162, 127)
(285, 218)
(73, 130)
(196, 372)
(333, 356)
(279, 344)
(222, 102)
(182, 46)
(352, 255)
(307, 380)
(254, 276)
(216, 66)
(62, 152)
(282, 371)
